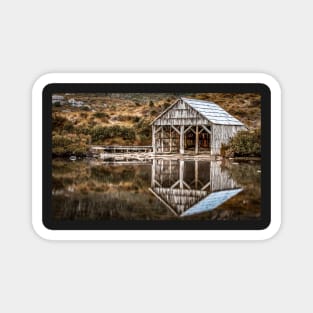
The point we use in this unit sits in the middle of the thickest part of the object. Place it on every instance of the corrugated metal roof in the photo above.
(212, 201)
(212, 112)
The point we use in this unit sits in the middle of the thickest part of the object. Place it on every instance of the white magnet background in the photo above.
(139, 36)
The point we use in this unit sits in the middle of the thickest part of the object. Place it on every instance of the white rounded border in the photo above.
(46, 233)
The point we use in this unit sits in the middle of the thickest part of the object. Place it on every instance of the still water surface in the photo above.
(158, 190)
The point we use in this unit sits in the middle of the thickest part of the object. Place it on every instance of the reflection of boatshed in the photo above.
(193, 125)
(191, 187)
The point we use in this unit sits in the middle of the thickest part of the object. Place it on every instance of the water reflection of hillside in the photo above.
(178, 189)
(83, 191)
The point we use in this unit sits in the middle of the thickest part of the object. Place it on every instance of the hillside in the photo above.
(124, 119)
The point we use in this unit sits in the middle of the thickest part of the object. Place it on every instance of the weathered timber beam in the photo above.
(153, 139)
(188, 128)
(196, 173)
(178, 132)
(206, 129)
(156, 182)
(193, 130)
(170, 139)
(162, 142)
(197, 140)
(158, 129)
(181, 148)
(174, 185)
(206, 185)
(185, 184)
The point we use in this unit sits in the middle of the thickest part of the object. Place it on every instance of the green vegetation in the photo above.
(99, 133)
(244, 144)
(67, 145)
(154, 112)
(166, 105)
(144, 131)
(101, 115)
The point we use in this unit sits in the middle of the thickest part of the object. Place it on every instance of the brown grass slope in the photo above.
(124, 119)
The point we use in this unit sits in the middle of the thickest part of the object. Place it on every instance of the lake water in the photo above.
(161, 189)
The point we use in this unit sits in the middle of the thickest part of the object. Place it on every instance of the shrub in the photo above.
(101, 115)
(166, 105)
(60, 124)
(136, 119)
(123, 118)
(100, 133)
(127, 133)
(144, 130)
(83, 130)
(58, 121)
(244, 144)
(60, 141)
(256, 102)
(126, 118)
(154, 112)
(66, 145)
(68, 126)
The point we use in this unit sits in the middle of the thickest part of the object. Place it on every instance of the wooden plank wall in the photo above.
(181, 114)
(221, 135)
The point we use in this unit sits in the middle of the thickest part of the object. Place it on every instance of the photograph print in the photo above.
(155, 157)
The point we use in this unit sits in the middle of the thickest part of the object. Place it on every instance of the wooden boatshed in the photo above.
(193, 126)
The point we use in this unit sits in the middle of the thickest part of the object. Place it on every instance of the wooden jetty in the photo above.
(122, 153)
(121, 149)
(142, 154)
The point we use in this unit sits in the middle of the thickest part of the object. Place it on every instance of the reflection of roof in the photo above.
(212, 112)
(212, 201)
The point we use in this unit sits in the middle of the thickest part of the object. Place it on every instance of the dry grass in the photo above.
(138, 110)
